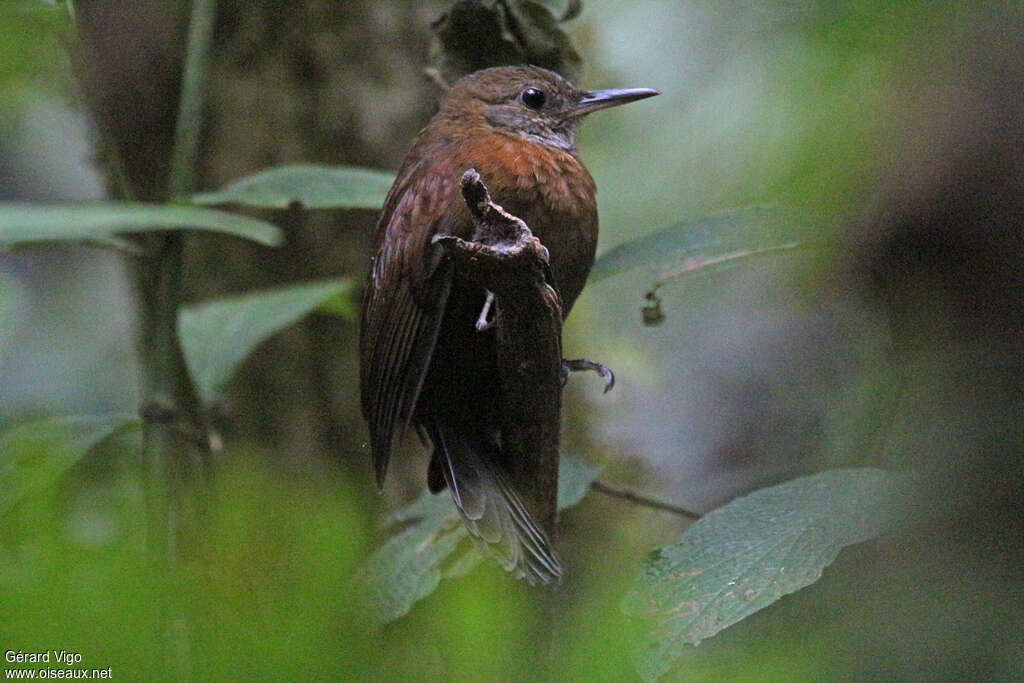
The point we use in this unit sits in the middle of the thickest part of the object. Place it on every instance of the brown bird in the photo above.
(423, 360)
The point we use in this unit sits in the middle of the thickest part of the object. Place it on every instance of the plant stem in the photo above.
(640, 499)
(160, 280)
(161, 285)
(190, 107)
(161, 292)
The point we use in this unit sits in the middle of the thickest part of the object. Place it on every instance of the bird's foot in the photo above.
(583, 364)
(482, 322)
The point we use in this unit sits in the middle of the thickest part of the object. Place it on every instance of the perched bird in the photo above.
(423, 359)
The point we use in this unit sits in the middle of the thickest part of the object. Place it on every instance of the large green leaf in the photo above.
(702, 241)
(410, 564)
(34, 454)
(746, 555)
(22, 222)
(308, 185)
(428, 546)
(217, 335)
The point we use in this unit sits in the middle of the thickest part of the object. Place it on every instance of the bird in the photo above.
(424, 360)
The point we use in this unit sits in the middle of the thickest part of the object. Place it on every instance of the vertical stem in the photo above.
(160, 280)
(162, 454)
(190, 107)
(161, 285)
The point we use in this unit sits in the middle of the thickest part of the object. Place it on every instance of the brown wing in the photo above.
(404, 299)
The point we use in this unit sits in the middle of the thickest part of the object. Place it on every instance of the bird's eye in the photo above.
(533, 98)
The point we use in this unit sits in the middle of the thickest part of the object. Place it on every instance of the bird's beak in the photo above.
(602, 99)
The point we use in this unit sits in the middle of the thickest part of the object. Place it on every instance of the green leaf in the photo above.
(217, 335)
(746, 555)
(428, 546)
(35, 8)
(22, 222)
(705, 240)
(343, 304)
(575, 476)
(34, 454)
(309, 185)
(409, 565)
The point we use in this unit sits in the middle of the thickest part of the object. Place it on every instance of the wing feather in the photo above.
(404, 301)
(494, 514)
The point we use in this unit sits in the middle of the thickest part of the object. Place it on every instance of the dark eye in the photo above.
(533, 98)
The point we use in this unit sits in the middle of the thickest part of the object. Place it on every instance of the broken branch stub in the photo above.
(506, 259)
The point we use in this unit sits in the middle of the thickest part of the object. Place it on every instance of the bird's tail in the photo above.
(494, 513)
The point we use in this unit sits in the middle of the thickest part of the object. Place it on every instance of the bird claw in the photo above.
(482, 322)
(583, 364)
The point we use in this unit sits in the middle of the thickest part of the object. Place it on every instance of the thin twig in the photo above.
(639, 499)
(190, 106)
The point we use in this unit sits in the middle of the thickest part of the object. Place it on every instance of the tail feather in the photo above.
(494, 513)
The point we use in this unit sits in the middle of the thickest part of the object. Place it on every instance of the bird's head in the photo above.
(532, 102)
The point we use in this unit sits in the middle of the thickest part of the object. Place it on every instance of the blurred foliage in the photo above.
(832, 109)
(25, 223)
(260, 594)
(708, 237)
(746, 555)
(307, 186)
(36, 35)
(263, 593)
(704, 246)
(37, 453)
(216, 336)
(430, 545)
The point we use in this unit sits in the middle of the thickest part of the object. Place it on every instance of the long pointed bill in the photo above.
(602, 99)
